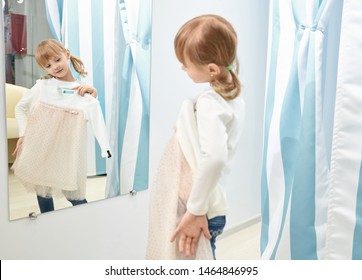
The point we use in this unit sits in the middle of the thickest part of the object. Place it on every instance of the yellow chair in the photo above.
(13, 95)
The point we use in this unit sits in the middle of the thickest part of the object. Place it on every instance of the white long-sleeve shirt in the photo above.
(218, 126)
(59, 93)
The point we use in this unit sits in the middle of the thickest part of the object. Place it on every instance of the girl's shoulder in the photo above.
(210, 102)
(212, 95)
(46, 82)
(213, 99)
(39, 83)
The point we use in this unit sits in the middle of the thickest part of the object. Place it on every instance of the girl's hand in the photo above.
(18, 144)
(189, 231)
(85, 89)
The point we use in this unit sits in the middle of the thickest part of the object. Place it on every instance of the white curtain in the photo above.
(295, 167)
(344, 228)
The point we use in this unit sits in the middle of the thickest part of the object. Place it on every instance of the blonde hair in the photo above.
(50, 48)
(211, 39)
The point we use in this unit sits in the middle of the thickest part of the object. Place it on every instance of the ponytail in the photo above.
(226, 88)
(78, 65)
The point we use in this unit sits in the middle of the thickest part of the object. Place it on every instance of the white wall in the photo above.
(117, 228)
(170, 85)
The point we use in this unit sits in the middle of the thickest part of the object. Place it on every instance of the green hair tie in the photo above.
(230, 68)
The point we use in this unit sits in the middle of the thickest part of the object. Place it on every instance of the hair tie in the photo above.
(230, 67)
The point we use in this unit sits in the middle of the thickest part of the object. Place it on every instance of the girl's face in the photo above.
(198, 73)
(58, 67)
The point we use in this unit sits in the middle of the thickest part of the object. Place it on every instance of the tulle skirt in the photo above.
(169, 193)
(52, 160)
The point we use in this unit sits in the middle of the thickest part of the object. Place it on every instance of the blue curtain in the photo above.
(295, 168)
(128, 168)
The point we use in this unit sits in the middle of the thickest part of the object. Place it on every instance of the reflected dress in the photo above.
(53, 119)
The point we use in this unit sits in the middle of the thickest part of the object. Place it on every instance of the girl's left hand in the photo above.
(189, 231)
(86, 89)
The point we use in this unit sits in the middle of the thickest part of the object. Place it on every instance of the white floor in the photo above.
(241, 245)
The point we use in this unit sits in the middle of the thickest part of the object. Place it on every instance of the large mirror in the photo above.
(113, 40)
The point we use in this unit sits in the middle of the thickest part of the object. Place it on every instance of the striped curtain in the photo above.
(344, 229)
(113, 39)
(128, 168)
(294, 185)
(312, 197)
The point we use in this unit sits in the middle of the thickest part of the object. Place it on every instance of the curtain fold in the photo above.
(295, 170)
(143, 58)
(128, 168)
(344, 229)
(54, 13)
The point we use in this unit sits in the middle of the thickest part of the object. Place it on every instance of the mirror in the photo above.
(113, 39)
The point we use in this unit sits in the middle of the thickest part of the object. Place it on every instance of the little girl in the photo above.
(188, 203)
(51, 116)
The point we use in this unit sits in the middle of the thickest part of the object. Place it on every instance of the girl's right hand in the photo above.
(83, 89)
(18, 144)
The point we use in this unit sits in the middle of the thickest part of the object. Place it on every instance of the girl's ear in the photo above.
(214, 69)
(67, 52)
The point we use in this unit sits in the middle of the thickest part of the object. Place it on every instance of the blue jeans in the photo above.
(216, 227)
(47, 204)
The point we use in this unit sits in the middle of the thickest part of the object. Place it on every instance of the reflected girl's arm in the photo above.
(18, 145)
